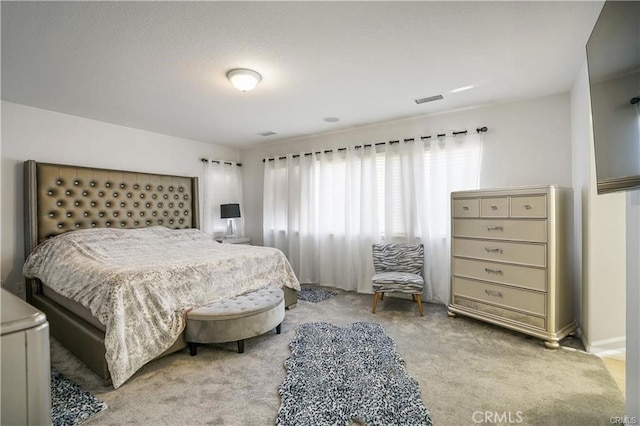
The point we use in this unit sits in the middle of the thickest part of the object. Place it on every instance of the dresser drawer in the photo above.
(466, 207)
(521, 276)
(509, 297)
(503, 229)
(529, 206)
(498, 314)
(525, 254)
(494, 207)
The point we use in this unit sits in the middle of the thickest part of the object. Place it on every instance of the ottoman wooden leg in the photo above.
(241, 346)
(278, 328)
(193, 348)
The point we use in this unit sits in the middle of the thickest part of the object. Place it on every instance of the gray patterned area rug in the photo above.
(336, 375)
(70, 404)
(315, 295)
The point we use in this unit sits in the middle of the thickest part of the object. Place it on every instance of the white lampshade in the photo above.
(244, 79)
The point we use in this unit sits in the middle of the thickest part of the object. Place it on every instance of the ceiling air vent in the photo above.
(269, 133)
(428, 99)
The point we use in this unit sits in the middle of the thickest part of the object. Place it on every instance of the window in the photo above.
(325, 210)
(449, 165)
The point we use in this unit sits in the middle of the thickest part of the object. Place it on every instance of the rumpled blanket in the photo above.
(140, 283)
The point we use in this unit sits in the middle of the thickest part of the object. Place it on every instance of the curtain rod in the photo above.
(206, 160)
(482, 129)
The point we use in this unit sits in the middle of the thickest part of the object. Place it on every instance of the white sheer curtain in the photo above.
(325, 210)
(222, 185)
(320, 210)
(451, 164)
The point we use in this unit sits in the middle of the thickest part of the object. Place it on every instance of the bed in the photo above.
(64, 198)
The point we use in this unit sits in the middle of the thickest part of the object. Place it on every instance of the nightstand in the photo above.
(26, 369)
(246, 241)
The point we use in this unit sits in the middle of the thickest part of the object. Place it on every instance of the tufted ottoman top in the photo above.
(240, 306)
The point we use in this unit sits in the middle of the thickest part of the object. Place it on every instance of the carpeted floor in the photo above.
(466, 370)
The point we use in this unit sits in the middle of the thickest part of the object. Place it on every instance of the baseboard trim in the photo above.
(610, 348)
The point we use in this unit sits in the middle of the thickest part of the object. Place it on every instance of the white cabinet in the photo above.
(510, 262)
(26, 369)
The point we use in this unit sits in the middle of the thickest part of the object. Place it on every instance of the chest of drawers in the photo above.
(509, 259)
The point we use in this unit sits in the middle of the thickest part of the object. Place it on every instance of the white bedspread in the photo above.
(140, 282)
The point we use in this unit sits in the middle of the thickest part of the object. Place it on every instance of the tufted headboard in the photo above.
(61, 198)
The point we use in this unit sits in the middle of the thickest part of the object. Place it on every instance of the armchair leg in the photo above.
(381, 296)
(375, 301)
(417, 299)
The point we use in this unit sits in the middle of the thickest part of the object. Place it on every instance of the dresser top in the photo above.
(514, 190)
(17, 314)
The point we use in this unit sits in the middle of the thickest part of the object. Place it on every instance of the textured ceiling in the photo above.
(161, 66)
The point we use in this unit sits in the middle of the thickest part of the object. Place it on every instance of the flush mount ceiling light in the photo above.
(244, 79)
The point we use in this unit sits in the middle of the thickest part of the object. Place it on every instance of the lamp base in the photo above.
(231, 231)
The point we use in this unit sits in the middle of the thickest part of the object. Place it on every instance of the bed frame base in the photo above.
(81, 338)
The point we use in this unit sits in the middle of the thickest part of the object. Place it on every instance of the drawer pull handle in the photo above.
(495, 228)
(493, 271)
(493, 250)
(528, 206)
(493, 293)
(465, 208)
(494, 207)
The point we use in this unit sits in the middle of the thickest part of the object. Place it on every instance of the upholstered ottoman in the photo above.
(235, 319)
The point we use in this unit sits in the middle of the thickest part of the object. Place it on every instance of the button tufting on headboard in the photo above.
(67, 198)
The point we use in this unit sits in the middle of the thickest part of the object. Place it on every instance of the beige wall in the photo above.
(35, 134)
(633, 301)
(528, 143)
(601, 253)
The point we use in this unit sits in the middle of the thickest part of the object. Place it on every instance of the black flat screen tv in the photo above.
(613, 60)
